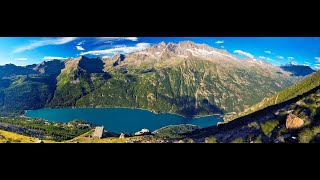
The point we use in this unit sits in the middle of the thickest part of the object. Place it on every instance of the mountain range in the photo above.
(186, 78)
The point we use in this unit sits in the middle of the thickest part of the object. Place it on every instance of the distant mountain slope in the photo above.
(297, 89)
(298, 70)
(30, 87)
(79, 77)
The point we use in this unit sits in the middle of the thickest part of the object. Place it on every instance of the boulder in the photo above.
(39, 141)
(142, 132)
(219, 123)
(122, 136)
(293, 121)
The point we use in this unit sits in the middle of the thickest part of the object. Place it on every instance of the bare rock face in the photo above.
(293, 122)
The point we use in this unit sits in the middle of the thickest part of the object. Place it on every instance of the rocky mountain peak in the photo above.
(83, 57)
(162, 43)
(80, 58)
(171, 46)
(187, 44)
(183, 49)
(159, 47)
(118, 57)
(49, 67)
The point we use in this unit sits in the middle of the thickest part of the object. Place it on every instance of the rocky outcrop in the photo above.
(117, 59)
(293, 122)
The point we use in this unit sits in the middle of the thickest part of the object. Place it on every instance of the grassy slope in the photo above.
(175, 131)
(299, 88)
(14, 137)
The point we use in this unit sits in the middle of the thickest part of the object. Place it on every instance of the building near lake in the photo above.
(98, 132)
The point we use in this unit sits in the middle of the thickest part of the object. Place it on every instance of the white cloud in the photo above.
(53, 57)
(117, 38)
(293, 63)
(291, 58)
(222, 46)
(219, 42)
(269, 59)
(132, 38)
(280, 57)
(119, 49)
(44, 42)
(243, 53)
(317, 66)
(21, 59)
(108, 42)
(306, 62)
(317, 58)
(80, 48)
(268, 52)
(80, 43)
(262, 57)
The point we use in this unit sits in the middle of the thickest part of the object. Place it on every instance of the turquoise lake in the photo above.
(120, 119)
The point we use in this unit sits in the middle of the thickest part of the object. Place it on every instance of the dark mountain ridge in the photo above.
(298, 70)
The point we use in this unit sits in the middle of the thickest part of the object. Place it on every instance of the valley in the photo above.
(258, 101)
(188, 79)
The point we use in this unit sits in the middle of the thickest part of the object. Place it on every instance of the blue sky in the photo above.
(276, 50)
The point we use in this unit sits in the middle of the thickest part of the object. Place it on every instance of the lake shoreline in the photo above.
(119, 119)
(195, 117)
